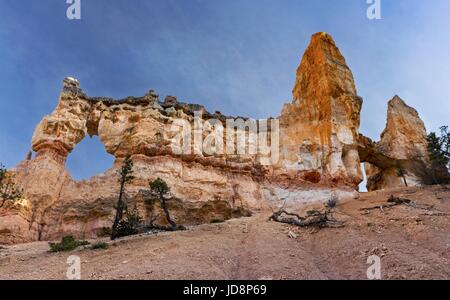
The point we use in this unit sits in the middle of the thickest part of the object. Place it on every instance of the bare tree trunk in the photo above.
(166, 211)
(404, 180)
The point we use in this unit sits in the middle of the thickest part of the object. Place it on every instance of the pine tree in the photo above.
(439, 154)
(125, 177)
(159, 189)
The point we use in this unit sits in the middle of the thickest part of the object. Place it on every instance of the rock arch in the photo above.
(320, 151)
(403, 145)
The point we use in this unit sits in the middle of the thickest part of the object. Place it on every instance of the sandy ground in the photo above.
(413, 243)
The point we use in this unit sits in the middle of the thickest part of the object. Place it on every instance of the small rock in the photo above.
(292, 235)
(153, 93)
(171, 100)
(70, 81)
(171, 111)
(157, 106)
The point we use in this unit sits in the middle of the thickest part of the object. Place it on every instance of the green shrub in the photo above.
(333, 201)
(125, 228)
(216, 221)
(130, 225)
(104, 232)
(68, 243)
(99, 245)
(439, 155)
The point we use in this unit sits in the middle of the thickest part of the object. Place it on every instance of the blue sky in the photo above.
(235, 56)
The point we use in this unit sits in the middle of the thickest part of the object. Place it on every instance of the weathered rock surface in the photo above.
(320, 150)
(405, 141)
(205, 187)
(405, 136)
(319, 129)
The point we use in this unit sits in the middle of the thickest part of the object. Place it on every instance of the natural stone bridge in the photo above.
(320, 152)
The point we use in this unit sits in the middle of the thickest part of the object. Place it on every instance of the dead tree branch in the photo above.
(394, 201)
(314, 218)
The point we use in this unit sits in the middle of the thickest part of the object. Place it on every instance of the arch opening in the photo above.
(363, 184)
(88, 159)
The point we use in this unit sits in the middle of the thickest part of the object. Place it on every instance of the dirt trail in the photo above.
(413, 243)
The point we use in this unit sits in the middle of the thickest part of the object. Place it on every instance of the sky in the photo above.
(236, 56)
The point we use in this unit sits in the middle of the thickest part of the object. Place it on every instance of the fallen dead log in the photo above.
(398, 201)
(380, 207)
(394, 201)
(166, 228)
(314, 218)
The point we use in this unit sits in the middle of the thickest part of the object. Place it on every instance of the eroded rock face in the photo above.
(319, 148)
(319, 129)
(405, 136)
(205, 188)
(402, 149)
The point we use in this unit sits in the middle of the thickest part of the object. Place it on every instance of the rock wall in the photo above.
(318, 154)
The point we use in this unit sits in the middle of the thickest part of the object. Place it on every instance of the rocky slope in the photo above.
(412, 243)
